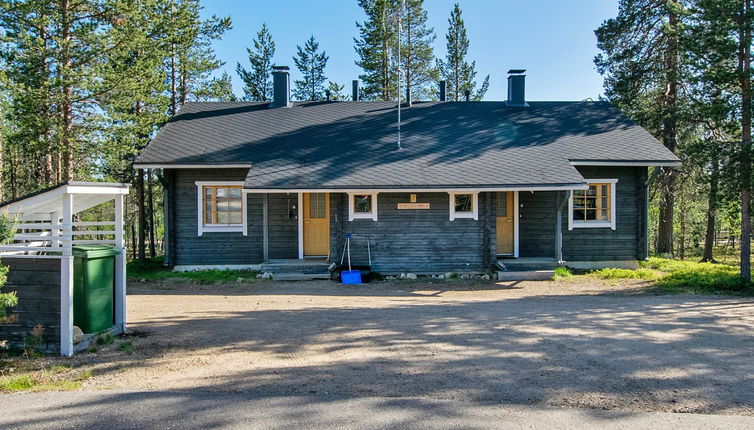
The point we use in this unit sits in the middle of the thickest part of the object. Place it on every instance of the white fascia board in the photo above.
(627, 163)
(415, 190)
(192, 166)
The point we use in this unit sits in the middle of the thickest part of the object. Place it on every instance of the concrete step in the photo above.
(295, 266)
(525, 275)
(526, 264)
(294, 276)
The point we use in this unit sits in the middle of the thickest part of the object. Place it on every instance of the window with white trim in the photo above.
(464, 205)
(362, 206)
(593, 207)
(221, 207)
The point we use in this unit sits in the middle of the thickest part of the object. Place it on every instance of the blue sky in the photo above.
(553, 39)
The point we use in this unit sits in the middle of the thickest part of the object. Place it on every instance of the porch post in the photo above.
(120, 267)
(301, 226)
(560, 201)
(66, 279)
(266, 227)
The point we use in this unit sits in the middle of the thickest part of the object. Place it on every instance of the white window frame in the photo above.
(474, 214)
(595, 224)
(232, 228)
(352, 215)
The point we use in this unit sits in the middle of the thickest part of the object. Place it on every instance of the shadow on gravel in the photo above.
(656, 353)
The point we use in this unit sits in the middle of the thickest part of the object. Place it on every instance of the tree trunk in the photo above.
(744, 62)
(666, 181)
(66, 107)
(141, 213)
(150, 202)
(173, 92)
(709, 237)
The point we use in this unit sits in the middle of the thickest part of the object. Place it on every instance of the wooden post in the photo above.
(120, 267)
(266, 226)
(66, 279)
(301, 226)
(55, 221)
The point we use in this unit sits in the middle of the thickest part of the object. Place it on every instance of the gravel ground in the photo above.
(583, 344)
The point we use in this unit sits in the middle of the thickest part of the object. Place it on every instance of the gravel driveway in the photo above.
(538, 343)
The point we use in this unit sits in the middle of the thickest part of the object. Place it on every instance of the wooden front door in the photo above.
(505, 223)
(316, 224)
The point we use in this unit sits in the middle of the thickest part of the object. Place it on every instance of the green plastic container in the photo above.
(93, 287)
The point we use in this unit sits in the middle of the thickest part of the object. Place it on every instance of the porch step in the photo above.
(295, 266)
(527, 264)
(525, 275)
(292, 276)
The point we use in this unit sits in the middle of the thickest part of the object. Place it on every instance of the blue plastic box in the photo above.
(350, 277)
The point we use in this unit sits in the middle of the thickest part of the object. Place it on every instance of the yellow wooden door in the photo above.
(505, 223)
(316, 224)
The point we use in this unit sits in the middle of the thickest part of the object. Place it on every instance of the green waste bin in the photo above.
(93, 287)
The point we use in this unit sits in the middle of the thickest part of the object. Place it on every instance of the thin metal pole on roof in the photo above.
(400, 32)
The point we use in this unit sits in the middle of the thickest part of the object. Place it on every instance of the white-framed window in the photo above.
(464, 205)
(221, 207)
(362, 206)
(593, 207)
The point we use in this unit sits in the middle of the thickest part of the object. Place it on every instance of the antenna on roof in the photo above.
(400, 33)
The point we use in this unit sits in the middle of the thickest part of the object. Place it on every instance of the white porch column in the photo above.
(66, 279)
(120, 267)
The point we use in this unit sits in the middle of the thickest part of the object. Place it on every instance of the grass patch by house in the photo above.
(683, 276)
(614, 273)
(153, 270)
(561, 274)
(693, 277)
(26, 375)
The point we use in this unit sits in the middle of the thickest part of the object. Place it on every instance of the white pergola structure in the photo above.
(46, 230)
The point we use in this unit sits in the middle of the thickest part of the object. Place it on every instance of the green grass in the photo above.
(694, 277)
(684, 276)
(614, 273)
(562, 273)
(153, 270)
(127, 347)
(104, 339)
(45, 380)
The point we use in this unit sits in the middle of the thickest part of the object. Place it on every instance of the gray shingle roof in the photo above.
(353, 144)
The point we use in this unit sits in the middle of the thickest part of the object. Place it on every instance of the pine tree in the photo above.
(258, 79)
(721, 34)
(311, 63)
(417, 57)
(377, 38)
(643, 72)
(336, 92)
(459, 74)
(217, 89)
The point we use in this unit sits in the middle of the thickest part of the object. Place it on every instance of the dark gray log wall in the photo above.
(626, 242)
(213, 248)
(605, 244)
(422, 241)
(37, 285)
(419, 241)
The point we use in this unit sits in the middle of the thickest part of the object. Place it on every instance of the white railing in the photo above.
(48, 239)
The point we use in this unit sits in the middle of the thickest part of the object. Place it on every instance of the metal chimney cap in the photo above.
(516, 71)
(280, 68)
